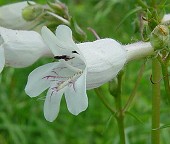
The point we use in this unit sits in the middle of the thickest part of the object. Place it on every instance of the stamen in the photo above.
(71, 80)
(48, 77)
(61, 68)
(53, 77)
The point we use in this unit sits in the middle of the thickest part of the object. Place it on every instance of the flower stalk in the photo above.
(133, 94)
(64, 21)
(115, 91)
(98, 92)
(156, 76)
(166, 80)
(120, 113)
(164, 66)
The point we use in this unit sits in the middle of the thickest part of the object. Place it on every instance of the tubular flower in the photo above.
(80, 66)
(11, 16)
(20, 48)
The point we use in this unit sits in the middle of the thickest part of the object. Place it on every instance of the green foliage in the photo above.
(22, 120)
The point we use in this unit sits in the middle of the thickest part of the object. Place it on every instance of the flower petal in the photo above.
(76, 97)
(36, 83)
(64, 35)
(54, 44)
(62, 43)
(52, 104)
(40, 78)
(2, 59)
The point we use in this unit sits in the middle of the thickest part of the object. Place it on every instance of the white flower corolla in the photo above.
(80, 66)
(104, 59)
(11, 16)
(20, 48)
(138, 50)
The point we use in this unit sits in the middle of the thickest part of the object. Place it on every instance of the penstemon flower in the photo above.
(20, 48)
(80, 66)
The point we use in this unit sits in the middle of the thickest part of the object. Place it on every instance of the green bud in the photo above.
(31, 12)
(113, 87)
(159, 38)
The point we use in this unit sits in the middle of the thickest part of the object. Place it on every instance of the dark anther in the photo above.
(65, 57)
(60, 57)
(74, 52)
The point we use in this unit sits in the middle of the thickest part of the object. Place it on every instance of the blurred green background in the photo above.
(21, 117)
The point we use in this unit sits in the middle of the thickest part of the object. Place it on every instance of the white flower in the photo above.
(20, 48)
(11, 16)
(79, 67)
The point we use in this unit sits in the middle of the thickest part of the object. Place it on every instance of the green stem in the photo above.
(120, 121)
(100, 95)
(166, 80)
(164, 66)
(132, 96)
(65, 21)
(156, 76)
(120, 113)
